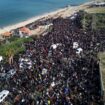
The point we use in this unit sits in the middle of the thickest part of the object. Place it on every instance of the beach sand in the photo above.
(63, 12)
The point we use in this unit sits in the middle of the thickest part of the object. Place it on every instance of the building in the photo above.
(7, 35)
(24, 31)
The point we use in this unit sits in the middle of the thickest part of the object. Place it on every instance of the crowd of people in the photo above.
(59, 68)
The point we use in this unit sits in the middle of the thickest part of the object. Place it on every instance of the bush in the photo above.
(93, 21)
(14, 47)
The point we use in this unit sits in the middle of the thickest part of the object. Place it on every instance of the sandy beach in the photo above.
(63, 12)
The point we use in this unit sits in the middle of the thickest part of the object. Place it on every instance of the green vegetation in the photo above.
(14, 47)
(100, 21)
(102, 67)
(94, 21)
(86, 21)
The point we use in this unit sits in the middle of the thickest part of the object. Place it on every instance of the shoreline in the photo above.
(30, 20)
(63, 12)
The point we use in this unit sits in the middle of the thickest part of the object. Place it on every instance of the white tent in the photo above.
(53, 84)
(79, 50)
(54, 46)
(75, 45)
(44, 71)
(3, 95)
(72, 17)
(1, 58)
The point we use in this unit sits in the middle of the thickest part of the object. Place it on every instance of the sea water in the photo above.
(14, 11)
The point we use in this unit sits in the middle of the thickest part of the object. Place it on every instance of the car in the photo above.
(3, 95)
(10, 73)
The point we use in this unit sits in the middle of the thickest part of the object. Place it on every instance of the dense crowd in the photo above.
(60, 68)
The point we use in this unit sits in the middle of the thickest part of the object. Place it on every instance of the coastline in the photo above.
(62, 12)
(28, 21)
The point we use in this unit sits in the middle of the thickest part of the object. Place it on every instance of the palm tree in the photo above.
(10, 55)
